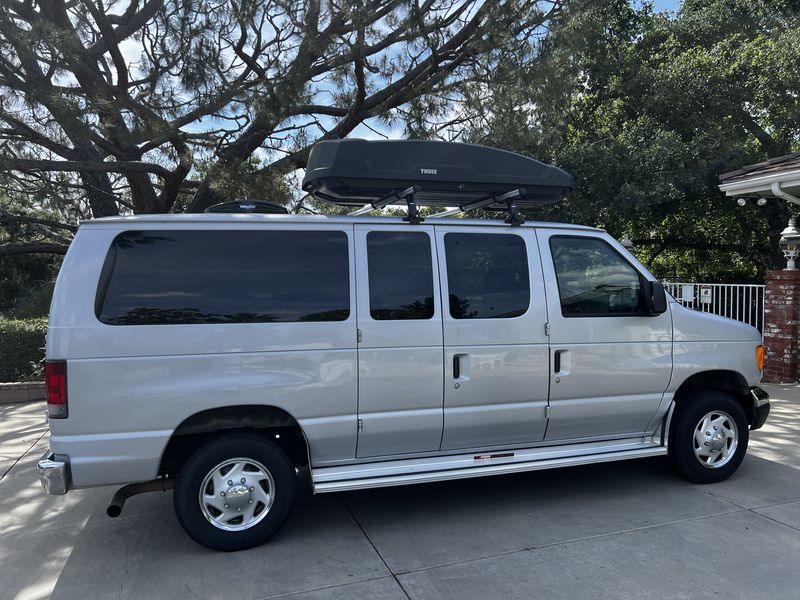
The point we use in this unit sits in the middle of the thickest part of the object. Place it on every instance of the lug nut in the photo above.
(252, 488)
(239, 509)
(230, 482)
(222, 493)
(250, 501)
(708, 433)
(244, 480)
(707, 444)
(227, 506)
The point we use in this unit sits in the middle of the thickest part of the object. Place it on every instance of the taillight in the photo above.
(55, 385)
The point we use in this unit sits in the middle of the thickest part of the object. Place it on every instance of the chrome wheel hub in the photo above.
(715, 439)
(237, 494)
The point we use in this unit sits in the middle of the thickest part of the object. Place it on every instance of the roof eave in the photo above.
(762, 184)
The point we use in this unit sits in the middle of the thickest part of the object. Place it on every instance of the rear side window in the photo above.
(400, 275)
(184, 277)
(487, 275)
(593, 280)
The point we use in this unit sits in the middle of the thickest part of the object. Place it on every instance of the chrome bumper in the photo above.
(54, 474)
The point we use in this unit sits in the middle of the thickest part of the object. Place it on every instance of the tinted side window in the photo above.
(593, 280)
(487, 275)
(400, 275)
(182, 277)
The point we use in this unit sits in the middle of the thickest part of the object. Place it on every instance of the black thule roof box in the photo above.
(378, 173)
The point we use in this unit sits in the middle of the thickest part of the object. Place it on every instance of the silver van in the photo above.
(224, 354)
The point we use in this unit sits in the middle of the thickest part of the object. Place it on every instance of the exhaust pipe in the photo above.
(118, 500)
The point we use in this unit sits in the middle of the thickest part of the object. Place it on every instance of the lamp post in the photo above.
(790, 244)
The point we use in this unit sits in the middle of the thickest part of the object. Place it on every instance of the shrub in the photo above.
(22, 348)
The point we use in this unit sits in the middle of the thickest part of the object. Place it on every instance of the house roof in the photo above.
(789, 162)
(777, 177)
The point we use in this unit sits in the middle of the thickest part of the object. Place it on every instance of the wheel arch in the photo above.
(730, 382)
(272, 422)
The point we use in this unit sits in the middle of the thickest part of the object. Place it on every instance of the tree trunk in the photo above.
(99, 192)
(204, 197)
(145, 199)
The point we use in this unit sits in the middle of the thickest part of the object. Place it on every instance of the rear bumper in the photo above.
(54, 473)
(760, 407)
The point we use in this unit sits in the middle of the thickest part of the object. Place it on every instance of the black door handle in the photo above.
(456, 366)
(557, 361)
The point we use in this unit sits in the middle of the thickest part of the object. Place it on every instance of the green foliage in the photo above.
(26, 280)
(22, 348)
(647, 110)
(26, 284)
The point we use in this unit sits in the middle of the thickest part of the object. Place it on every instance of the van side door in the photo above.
(400, 367)
(611, 363)
(496, 347)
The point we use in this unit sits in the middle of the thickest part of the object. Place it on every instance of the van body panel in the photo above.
(613, 371)
(126, 381)
(706, 342)
(400, 400)
(112, 458)
(500, 394)
(400, 368)
(125, 398)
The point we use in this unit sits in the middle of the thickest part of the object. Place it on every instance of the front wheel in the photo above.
(708, 437)
(234, 492)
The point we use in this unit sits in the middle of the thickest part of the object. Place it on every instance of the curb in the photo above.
(15, 393)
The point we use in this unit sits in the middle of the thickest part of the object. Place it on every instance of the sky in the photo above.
(672, 5)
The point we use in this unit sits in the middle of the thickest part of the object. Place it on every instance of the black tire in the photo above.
(687, 418)
(192, 516)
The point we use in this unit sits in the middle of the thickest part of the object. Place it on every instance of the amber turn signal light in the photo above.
(760, 357)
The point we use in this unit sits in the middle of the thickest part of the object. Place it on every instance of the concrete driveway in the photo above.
(618, 530)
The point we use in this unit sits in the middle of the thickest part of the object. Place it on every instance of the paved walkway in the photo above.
(616, 531)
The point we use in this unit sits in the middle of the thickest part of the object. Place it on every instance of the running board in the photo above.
(460, 466)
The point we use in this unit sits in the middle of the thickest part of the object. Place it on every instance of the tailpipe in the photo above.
(118, 501)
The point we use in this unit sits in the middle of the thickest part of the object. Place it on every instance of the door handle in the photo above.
(557, 360)
(461, 367)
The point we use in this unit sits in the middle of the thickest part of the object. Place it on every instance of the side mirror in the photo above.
(655, 298)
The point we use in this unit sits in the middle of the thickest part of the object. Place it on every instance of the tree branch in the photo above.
(33, 248)
(9, 219)
(120, 166)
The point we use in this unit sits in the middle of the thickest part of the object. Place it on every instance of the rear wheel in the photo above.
(708, 437)
(234, 492)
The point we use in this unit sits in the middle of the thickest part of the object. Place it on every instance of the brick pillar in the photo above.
(781, 332)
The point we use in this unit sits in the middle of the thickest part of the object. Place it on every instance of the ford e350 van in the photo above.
(222, 354)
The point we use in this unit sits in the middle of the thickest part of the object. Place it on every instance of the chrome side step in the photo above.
(461, 466)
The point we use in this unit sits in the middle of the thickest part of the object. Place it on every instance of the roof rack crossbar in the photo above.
(406, 195)
(507, 198)
(361, 211)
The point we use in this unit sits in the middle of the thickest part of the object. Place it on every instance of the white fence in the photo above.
(743, 302)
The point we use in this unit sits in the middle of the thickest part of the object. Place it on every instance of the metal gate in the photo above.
(741, 301)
